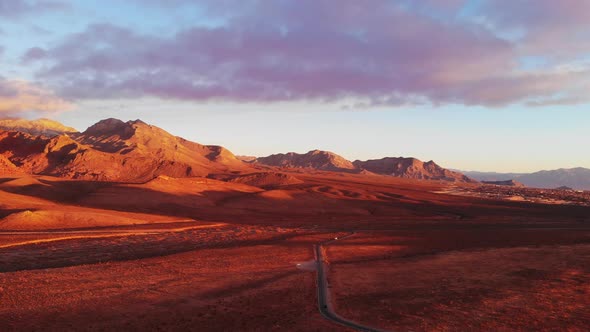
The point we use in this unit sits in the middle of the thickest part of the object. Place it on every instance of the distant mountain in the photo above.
(577, 178)
(315, 159)
(113, 150)
(411, 168)
(246, 158)
(507, 183)
(44, 127)
(564, 188)
(490, 176)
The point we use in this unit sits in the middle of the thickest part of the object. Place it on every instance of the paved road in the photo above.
(324, 295)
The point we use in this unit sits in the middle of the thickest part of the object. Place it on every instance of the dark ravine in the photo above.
(324, 295)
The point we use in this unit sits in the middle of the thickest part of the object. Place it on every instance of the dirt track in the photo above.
(94, 234)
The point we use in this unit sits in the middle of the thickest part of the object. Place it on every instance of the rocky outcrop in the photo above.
(315, 159)
(411, 168)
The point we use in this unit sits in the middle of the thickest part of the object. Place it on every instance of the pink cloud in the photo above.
(551, 28)
(18, 96)
(16, 8)
(33, 54)
(303, 50)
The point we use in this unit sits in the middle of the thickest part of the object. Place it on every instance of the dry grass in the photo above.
(90, 248)
(123, 260)
(450, 287)
(246, 288)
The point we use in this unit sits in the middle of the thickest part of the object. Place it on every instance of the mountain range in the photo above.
(576, 178)
(410, 168)
(110, 150)
(134, 151)
(44, 127)
(315, 159)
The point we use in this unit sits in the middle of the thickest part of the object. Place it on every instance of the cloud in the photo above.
(386, 53)
(17, 96)
(548, 27)
(16, 8)
(33, 54)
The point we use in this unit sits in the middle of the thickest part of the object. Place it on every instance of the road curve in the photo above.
(324, 295)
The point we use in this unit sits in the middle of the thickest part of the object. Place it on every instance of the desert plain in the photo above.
(205, 254)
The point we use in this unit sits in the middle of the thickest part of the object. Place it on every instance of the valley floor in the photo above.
(237, 258)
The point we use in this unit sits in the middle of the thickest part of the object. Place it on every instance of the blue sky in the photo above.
(475, 85)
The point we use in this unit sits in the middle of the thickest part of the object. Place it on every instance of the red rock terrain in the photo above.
(133, 151)
(112, 150)
(316, 159)
(183, 236)
(411, 168)
(36, 127)
(7, 167)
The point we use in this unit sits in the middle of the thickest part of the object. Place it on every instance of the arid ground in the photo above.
(204, 254)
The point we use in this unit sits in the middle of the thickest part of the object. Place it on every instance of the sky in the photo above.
(486, 85)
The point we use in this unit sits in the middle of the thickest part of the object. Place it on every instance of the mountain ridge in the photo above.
(577, 178)
(41, 126)
(314, 159)
(113, 150)
(410, 168)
